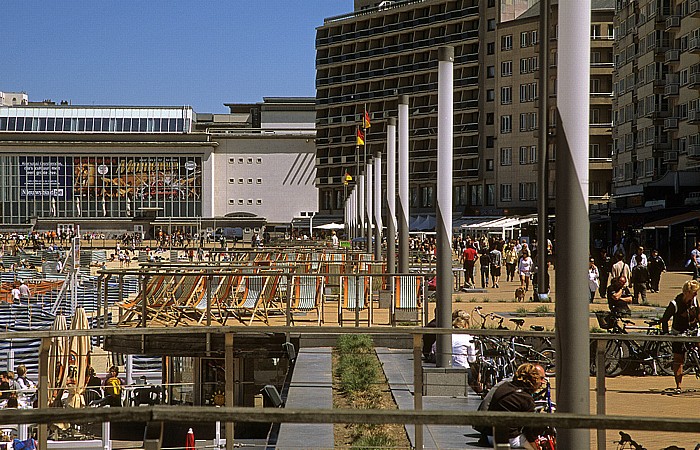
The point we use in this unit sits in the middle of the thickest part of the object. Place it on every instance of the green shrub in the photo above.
(541, 309)
(377, 440)
(521, 310)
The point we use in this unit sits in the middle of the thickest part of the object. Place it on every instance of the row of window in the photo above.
(242, 180)
(246, 160)
(241, 201)
(92, 125)
(527, 155)
(528, 122)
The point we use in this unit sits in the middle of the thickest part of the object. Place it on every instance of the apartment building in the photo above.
(656, 106)
(373, 55)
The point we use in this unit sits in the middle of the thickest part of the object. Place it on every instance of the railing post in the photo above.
(600, 388)
(144, 287)
(289, 303)
(230, 383)
(418, 386)
(209, 282)
(43, 390)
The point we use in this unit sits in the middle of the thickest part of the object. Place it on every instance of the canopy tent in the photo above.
(422, 223)
(505, 227)
(331, 226)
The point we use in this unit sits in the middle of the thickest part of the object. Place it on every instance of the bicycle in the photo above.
(521, 352)
(692, 354)
(626, 442)
(620, 354)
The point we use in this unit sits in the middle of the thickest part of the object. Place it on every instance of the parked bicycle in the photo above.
(653, 357)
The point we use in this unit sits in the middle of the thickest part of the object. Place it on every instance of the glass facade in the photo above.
(98, 186)
(66, 119)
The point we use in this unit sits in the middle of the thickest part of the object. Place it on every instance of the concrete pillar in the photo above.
(377, 202)
(444, 203)
(391, 195)
(368, 203)
(403, 185)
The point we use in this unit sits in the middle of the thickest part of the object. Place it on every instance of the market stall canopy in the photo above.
(331, 226)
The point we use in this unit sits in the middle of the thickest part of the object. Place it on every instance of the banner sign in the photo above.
(45, 177)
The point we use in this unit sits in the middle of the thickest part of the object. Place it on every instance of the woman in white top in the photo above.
(525, 265)
(593, 278)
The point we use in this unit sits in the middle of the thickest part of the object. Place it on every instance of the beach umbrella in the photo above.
(58, 358)
(78, 360)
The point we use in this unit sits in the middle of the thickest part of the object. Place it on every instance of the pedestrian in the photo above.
(639, 279)
(620, 267)
(525, 265)
(685, 313)
(641, 260)
(496, 259)
(656, 267)
(469, 260)
(619, 296)
(484, 263)
(511, 258)
(604, 266)
(593, 278)
(15, 294)
(694, 261)
(24, 292)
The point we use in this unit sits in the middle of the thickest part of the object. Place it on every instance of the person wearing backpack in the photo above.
(639, 278)
(112, 387)
(514, 396)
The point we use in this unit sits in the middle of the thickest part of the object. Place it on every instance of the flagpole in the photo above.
(360, 204)
(368, 242)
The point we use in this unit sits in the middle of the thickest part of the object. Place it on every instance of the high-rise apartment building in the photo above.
(656, 106)
(379, 52)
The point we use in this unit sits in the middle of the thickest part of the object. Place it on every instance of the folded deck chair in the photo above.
(354, 295)
(307, 295)
(407, 293)
(254, 297)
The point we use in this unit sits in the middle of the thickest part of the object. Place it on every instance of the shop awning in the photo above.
(673, 220)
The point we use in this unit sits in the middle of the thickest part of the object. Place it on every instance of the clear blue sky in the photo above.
(162, 52)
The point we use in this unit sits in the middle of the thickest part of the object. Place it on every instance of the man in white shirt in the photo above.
(15, 294)
(640, 252)
(24, 291)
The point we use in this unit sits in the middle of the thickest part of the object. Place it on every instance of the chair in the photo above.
(253, 296)
(307, 295)
(354, 295)
(407, 296)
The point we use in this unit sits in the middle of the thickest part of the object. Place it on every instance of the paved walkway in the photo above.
(398, 368)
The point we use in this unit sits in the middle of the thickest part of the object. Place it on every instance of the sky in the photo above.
(201, 53)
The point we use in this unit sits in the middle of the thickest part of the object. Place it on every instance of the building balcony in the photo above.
(673, 22)
(671, 123)
(673, 55)
(670, 157)
(694, 151)
(694, 80)
(671, 89)
(694, 8)
(693, 116)
(694, 45)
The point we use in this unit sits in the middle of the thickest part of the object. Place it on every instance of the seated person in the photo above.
(112, 388)
(619, 296)
(515, 396)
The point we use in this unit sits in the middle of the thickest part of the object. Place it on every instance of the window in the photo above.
(506, 192)
(258, 161)
(533, 154)
(489, 118)
(240, 201)
(523, 155)
(240, 160)
(595, 115)
(506, 95)
(489, 141)
(506, 156)
(489, 165)
(507, 42)
(594, 151)
(240, 181)
(258, 181)
(250, 201)
(524, 39)
(491, 24)
(506, 124)
(490, 95)
(522, 194)
(232, 160)
(477, 195)
(258, 201)
(490, 48)
(250, 181)
(250, 161)
(506, 68)
(490, 71)
(490, 194)
(231, 201)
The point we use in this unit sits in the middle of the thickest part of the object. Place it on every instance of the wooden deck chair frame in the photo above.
(408, 294)
(307, 295)
(255, 298)
(349, 296)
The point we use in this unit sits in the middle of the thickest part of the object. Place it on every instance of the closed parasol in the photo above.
(58, 359)
(78, 360)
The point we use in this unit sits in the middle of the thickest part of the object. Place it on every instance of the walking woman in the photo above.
(510, 255)
(593, 278)
(525, 266)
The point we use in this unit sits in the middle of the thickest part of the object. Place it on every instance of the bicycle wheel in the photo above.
(663, 357)
(692, 362)
(616, 357)
(547, 358)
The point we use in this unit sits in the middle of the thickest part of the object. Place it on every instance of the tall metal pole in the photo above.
(572, 217)
(391, 195)
(543, 163)
(444, 203)
(377, 202)
(403, 184)
(361, 205)
(368, 203)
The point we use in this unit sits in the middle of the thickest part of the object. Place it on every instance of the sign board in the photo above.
(45, 177)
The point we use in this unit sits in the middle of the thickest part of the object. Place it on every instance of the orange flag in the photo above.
(360, 137)
(365, 121)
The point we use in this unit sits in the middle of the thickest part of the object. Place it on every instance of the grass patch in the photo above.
(521, 310)
(541, 309)
(374, 441)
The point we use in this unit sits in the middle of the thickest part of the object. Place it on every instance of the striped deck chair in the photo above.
(354, 294)
(407, 296)
(307, 295)
(254, 296)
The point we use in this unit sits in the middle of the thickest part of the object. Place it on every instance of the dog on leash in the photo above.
(520, 294)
